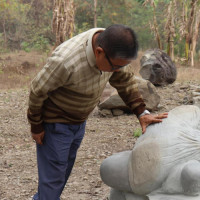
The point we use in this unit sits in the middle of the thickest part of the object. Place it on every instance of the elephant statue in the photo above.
(164, 163)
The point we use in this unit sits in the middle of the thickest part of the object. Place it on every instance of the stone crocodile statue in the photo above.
(164, 163)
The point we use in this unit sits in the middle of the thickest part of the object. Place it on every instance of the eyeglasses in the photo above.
(114, 67)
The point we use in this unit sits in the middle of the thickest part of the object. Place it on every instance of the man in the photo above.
(68, 88)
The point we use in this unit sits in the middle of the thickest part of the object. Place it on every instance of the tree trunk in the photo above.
(170, 50)
(155, 24)
(195, 36)
(4, 33)
(170, 28)
(63, 20)
(95, 13)
(189, 33)
(156, 27)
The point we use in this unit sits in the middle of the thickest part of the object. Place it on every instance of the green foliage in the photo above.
(1, 71)
(1, 42)
(13, 19)
(139, 18)
(128, 12)
(141, 1)
(25, 24)
(84, 15)
(25, 46)
(179, 47)
(137, 132)
(39, 43)
(84, 27)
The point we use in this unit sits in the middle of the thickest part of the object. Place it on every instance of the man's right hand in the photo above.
(38, 137)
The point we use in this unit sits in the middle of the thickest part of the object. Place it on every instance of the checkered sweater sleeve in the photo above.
(126, 85)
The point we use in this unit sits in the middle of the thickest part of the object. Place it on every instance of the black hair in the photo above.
(118, 41)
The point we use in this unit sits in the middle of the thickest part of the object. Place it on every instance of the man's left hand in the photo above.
(146, 120)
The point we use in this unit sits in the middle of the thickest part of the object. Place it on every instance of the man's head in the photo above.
(115, 47)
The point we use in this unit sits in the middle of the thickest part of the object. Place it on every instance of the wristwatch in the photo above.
(146, 112)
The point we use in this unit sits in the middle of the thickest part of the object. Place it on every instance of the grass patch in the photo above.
(17, 69)
(137, 132)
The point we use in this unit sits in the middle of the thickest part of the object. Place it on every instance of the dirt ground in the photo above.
(104, 137)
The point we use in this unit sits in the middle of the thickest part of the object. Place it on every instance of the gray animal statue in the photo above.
(164, 163)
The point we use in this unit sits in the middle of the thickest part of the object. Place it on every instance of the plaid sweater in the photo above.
(70, 85)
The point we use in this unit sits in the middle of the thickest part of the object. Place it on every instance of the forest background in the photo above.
(27, 24)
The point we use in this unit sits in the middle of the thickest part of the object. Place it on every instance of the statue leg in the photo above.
(183, 179)
(190, 178)
(116, 195)
(120, 195)
(114, 171)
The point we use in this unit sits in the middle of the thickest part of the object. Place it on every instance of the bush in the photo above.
(39, 43)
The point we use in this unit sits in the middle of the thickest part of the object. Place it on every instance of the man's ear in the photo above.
(98, 51)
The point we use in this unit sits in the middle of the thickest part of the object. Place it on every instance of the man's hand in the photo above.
(38, 137)
(146, 120)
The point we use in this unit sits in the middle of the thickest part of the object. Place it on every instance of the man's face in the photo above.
(107, 64)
